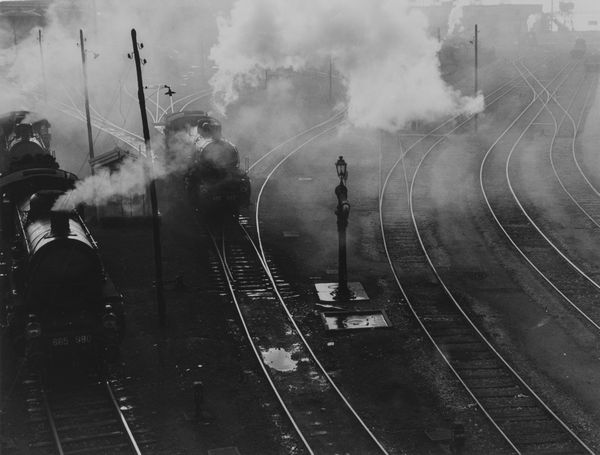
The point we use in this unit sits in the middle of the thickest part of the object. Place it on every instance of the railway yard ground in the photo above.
(477, 237)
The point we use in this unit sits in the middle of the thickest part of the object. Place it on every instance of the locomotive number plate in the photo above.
(83, 339)
(60, 341)
(66, 341)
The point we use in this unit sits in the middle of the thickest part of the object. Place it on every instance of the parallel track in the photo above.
(521, 417)
(83, 419)
(515, 220)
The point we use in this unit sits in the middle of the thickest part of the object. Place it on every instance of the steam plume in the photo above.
(388, 62)
(133, 175)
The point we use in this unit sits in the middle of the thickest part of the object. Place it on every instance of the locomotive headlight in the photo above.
(109, 320)
(33, 329)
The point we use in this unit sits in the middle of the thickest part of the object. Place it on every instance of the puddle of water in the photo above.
(543, 322)
(279, 359)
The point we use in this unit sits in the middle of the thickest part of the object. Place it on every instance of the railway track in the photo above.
(522, 418)
(322, 417)
(86, 418)
(515, 216)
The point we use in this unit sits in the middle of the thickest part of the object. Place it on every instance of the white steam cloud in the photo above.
(382, 49)
(175, 37)
(455, 25)
(133, 175)
(532, 21)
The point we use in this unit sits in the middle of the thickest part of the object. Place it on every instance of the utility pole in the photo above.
(476, 68)
(160, 299)
(43, 66)
(87, 100)
(330, 79)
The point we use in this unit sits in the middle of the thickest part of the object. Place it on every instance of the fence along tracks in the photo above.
(521, 417)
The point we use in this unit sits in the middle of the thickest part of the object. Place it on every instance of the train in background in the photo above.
(56, 295)
(579, 48)
(213, 178)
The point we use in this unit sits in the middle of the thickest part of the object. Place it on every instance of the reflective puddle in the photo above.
(279, 359)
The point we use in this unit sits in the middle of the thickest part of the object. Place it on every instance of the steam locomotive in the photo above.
(579, 49)
(56, 295)
(213, 179)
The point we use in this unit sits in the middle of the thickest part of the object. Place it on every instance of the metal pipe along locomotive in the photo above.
(55, 294)
(213, 179)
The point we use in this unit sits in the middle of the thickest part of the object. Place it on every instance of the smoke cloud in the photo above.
(388, 62)
(532, 21)
(133, 175)
(455, 25)
(176, 40)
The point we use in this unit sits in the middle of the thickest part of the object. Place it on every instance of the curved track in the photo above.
(320, 414)
(522, 418)
(541, 252)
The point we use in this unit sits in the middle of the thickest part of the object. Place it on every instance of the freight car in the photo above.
(214, 181)
(57, 295)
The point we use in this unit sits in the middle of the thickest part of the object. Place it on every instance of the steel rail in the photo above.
(333, 118)
(455, 302)
(263, 259)
(575, 126)
(52, 423)
(509, 237)
(408, 301)
(259, 358)
(522, 208)
(262, 256)
(122, 419)
(115, 404)
(198, 96)
(481, 335)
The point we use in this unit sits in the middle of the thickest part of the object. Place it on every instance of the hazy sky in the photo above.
(581, 6)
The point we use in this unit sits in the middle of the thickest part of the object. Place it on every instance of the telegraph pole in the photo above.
(43, 66)
(160, 299)
(476, 68)
(87, 100)
(330, 79)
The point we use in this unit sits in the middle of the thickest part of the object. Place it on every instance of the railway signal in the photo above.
(162, 311)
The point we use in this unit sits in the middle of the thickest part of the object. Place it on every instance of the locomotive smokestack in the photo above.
(59, 223)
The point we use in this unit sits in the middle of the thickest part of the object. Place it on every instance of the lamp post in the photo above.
(342, 212)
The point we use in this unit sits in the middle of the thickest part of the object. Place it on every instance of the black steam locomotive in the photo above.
(579, 49)
(213, 179)
(55, 292)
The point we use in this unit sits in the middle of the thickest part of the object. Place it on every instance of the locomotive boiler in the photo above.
(56, 294)
(213, 179)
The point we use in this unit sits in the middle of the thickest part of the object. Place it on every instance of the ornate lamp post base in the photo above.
(328, 292)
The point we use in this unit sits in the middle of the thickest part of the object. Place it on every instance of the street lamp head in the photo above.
(342, 169)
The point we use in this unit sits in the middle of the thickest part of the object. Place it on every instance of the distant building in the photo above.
(18, 18)
(437, 16)
(503, 26)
